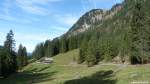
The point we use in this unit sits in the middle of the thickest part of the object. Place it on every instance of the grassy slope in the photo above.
(64, 70)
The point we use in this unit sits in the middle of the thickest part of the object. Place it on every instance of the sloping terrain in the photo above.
(93, 18)
(66, 71)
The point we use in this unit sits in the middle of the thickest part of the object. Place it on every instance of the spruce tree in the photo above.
(91, 56)
(83, 51)
(139, 34)
(25, 58)
(49, 50)
(46, 44)
(20, 57)
(63, 45)
(8, 63)
(108, 50)
(9, 44)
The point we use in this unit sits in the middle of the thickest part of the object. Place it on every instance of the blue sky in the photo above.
(34, 21)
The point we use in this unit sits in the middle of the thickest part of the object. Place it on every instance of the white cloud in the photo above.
(34, 6)
(43, 1)
(104, 1)
(55, 34)
(6, 17)
(30, 7)
(17, 20)
(89, 4)
(58, 31)
(5, 14)
(93, 4)
(33, 18)
(2, 37)
(31, 37)
(59, 28)
(30, 40)
(54, 31)
(67, 19)
(6, 6)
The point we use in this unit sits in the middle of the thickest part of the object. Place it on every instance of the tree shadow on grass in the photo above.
(29, 77)
(44, 68)
(37, 69)
(101, 77)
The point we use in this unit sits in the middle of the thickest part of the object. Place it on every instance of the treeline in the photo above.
(56, 46)
(11, 61)
(125, 36)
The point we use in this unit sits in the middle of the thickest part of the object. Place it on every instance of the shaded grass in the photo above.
(30, 76)
(101, 77)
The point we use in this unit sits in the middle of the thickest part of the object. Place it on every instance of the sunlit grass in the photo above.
(65, 71)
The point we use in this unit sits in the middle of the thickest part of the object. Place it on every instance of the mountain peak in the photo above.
(85, 22)
(94, 16)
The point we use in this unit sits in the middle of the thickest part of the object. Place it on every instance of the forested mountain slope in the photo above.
(123, 32)
(92, 18)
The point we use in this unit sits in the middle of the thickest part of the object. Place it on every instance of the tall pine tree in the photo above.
(140, 48)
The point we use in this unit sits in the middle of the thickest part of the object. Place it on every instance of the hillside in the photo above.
(93, 18)
(66, 71)
(102, 35)
(119, 15)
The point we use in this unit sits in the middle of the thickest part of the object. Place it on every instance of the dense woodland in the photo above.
(10, 60)
(126, 35)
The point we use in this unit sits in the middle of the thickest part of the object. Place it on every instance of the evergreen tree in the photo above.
(8, 63)
(55, 47)
(25, 58)
(82, 52)
(124, 46)
(63, 45)
(108, 51)
(9, 44)
(48, 50)
(91, 56)
(139, 34)
(39, 51)
(20, 57)
(73, 42)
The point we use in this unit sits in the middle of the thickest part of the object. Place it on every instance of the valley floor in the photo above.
(65, 71)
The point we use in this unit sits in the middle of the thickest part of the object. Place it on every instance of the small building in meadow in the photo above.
(46, 60)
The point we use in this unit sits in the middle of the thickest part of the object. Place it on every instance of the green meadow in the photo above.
(65, 70)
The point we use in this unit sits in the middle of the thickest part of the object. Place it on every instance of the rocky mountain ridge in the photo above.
(93, 17)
